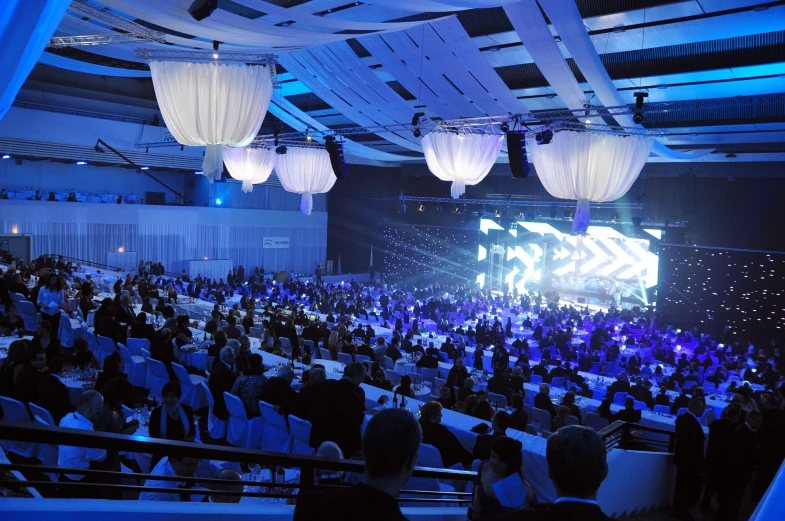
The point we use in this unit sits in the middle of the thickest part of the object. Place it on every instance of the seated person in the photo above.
(248, 386)
(519, 419)
(172, 420)
(436, 434)
(505, 459)
(629, 414)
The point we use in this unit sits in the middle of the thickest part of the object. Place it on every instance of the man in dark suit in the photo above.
(52, 392)
(124, 313)
(220, 340)
(542, 400)
(449, 348)
(277, 390)
(390, 446)
(392, 350)
(640, 391)
(621, 385)
(336, 413)
(662, 397)
(629, 414)
(577, 468)
(743, 459)
(365, 350)
(499, 383)
(232, 331)
(689, 460)
(482, 447)
(558, 371)
(430, 360)
(541, 370)
(141, 329)
(718, 453)
(680, 401)
(222, 379)
(519, 419)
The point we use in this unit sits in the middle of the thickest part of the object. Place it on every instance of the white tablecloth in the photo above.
(211, 269)
(126, 260)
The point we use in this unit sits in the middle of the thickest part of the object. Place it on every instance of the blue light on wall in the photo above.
(218, 202)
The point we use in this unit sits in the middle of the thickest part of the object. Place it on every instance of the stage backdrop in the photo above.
(170, 234)
(742, 288)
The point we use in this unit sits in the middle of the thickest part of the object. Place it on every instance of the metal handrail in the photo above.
(84, 261)
(619, 434)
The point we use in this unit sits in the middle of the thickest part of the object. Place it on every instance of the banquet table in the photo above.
(211, 269)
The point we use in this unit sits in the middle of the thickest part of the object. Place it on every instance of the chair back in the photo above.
(499, 400)
(640, 406)
(709, 415)
(325, 354)
(394, 377)
(430, 374)
(29, 314)
(681, 411)
(125, 356)
(16, 297)
(598, 394)
(438, 383)
(182, 375)
(309, 345)
(157, 368)
(301, 432)
(345, 358)
(429, 456)
(662, 409)
(572, 420)
(363, 359)
(595, 421)
(541, 418)
(14, 410)
(531, 429)
(619, 398)
(106, 345)
(416, 377)
(557, 381)
(276, 437)
(40, 412)
(536, 379)
(209, 395)
(388, 363)
(235, 407)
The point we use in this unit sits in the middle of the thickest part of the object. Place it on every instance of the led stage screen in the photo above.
(600, 267)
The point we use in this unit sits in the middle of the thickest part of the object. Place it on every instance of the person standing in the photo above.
(743, 459)
(688, 458)
(51, 299)
(718, 453)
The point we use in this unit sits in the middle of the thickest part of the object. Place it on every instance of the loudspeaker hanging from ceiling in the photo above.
(516, 151)
(201, 9)
(337, 160)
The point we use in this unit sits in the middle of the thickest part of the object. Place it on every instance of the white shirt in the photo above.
(77, 457)
(163, 468)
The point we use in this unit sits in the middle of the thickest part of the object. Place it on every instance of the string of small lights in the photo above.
(740, 288)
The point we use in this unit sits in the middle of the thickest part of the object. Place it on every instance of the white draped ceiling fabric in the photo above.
(464, 159)
(211, 104)
(25, 29)
(305, 171)
(589, 167)
(252, 166)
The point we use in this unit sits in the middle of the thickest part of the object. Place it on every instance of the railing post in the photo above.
(625, 436)
(306, 477)
(672, 442)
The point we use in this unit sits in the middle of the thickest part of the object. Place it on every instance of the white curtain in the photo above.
(589, 167)
(464, 159)
(212, 104)
(25, 29)
(252, 166)
(305, 171)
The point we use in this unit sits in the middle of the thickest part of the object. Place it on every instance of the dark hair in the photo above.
(168, 312)
(112, 363)
(232, 320)
(516, 401)
(183, 318)
(220, 338)
(502, 419)
(80, 344)
(576, 461)
(117, 390)
(55, 365)
(391, 439)
(255, 361)
(172, 387)
(406, 381)
(569, 398)
(482, 410)
(141, 318)
(509, 451)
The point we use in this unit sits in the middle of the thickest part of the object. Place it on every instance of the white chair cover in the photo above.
(242, 432)
(189, 384)
(301, 433)
(212, 104)
(276, 437)
(252, 166)
(15, 411)
(158, 377)
(216, 427)
(305, 171)
(464, 159)
(589, 167)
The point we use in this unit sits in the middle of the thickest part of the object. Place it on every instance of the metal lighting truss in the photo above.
(135, 32)
(517, 202)
(562, 119)
(210, 56)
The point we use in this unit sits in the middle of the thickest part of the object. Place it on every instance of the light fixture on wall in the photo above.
(81, 162)
(15, 230)
(205, 258)
(6, 156)
(120, 249)
(218, 202)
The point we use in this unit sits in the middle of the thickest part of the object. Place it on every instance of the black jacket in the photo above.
(688, 452)
(276, 391)
(448, 445)
(221, 379)
(336, 414)
(566, 511)
(53, 396)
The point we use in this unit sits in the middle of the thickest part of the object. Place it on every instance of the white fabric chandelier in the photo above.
(305, 171)
(209, 104)
(252, 166)
(464, 159)
(589, 167)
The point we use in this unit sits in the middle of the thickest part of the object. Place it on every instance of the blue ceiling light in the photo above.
(6, 156)
(81, 162)
(144, 168)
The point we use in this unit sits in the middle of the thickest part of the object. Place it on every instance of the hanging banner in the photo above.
(275, 242)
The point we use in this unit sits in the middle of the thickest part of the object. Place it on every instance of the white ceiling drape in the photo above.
(464, 159)
(252, 166)
(212, 104)
(589, 167)
(305, 171)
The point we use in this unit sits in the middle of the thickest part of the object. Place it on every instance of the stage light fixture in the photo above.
(146, 150)
(216, 44)
(98, 148)
(201, 9)
(637, 118)
(505, 127)
(544, 137)
(417, 132)
(416, 118)
(421, 208)
(639, 97)
(281, 150)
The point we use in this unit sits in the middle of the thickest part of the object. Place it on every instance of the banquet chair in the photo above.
(47, 453)
(682, 411)
(640, 406)
(429, 456)
(301, 435)
(242, 432)
(394, 377)
(430, 374)
(662, 409)
(557, 381)
(66, 332)
(541, 418)
(189, 383)
(498, 400)
(16, 297)
(216, 427)
(325, 354)
(388, 363)
(105, 347)
(598, 394)
(709, 386)
(134, 366)
(595, 421)
(619, 398)
(28, 313)
(135, 345)
(438, 383)
(530, 429)
(572, 420)
(345, 358)
(709, 415)
(256, 332)
(286, 345)
(476, 464)
(158, 378)
(416, 377)
(536, 379)
(363, 359)
(276, 436)
(37, 410)
(15, 411)
(309, 345)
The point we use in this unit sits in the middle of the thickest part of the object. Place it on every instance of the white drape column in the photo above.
(463, 159)
(305, 171)
(252, 166)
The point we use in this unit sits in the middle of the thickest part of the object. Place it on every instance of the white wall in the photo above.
(49, 176)
(636, 481)
(170, 234)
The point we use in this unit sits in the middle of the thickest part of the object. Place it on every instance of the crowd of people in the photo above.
(336, 408)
